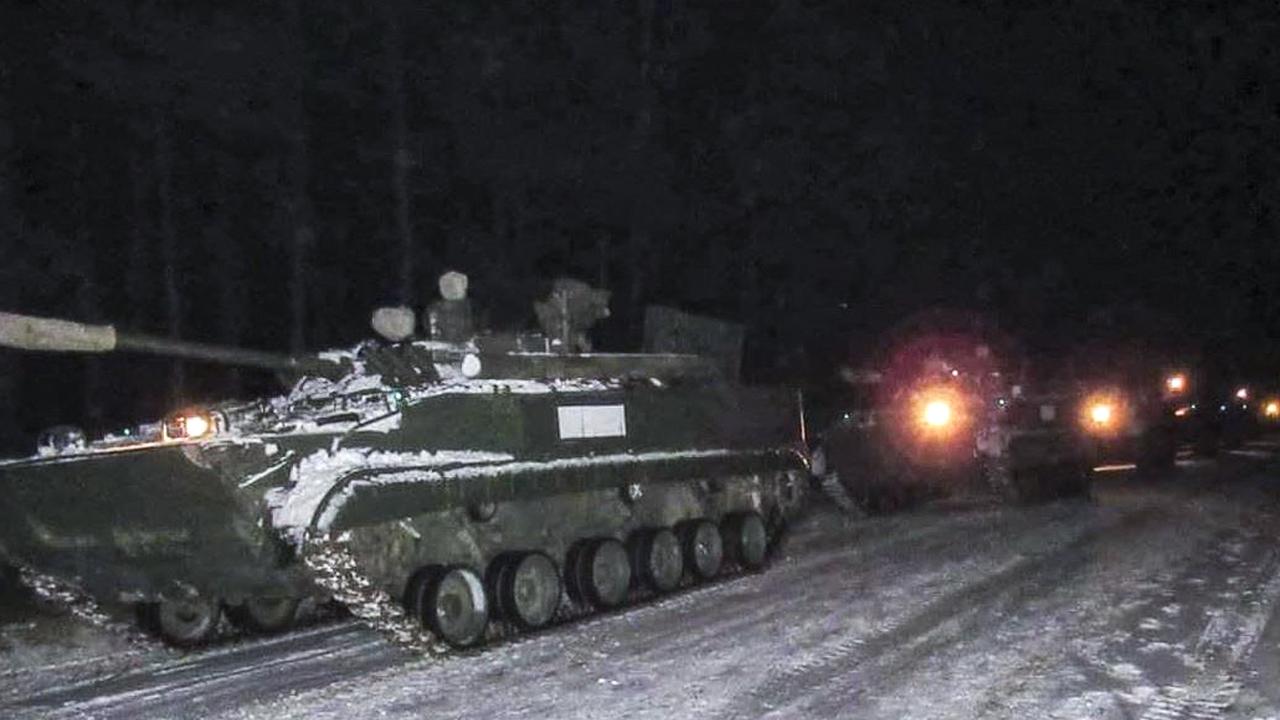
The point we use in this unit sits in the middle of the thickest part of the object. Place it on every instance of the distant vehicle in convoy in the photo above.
(1131, 422)
(939, 416)
(1215, 410)
(452, 486)
(889, 446)
(1269, 410)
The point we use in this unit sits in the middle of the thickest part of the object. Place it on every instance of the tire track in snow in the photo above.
(1215, 691)
(778, 694)
(171, 687)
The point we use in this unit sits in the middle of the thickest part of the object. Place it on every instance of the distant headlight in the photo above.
(937, 414)
(1102, 413)
(1176, 383)
(1271, 409)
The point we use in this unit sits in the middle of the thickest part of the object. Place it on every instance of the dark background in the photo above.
(264, 174)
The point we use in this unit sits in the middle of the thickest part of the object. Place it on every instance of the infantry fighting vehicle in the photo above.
(463, 485)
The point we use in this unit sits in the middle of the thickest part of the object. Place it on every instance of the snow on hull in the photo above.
(310, 498)
(294, 506)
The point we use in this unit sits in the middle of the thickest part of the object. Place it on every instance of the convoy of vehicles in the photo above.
(460, 487)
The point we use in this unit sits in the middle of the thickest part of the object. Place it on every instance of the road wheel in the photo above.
(746, 540)
(528, 589)
(265, 615)
(601, 573)
(187, 622)
(657, 558)
(451, 602)
(703, 548)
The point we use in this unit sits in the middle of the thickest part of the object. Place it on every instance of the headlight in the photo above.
(1176, 383)
(191, 425)
(937, 413)
(1271, 409)
(1102, 413)
(1242, 393)
(933, 426)
(198, 426)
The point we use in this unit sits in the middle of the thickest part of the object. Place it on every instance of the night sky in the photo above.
(265, 174)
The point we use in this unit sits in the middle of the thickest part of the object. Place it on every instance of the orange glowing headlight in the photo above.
(1271, 409)
(1101, 413)
(1176, 383)
(937, 413)
(198, 426)
(190, 426)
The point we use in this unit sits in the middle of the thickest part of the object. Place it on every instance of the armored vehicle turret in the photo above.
(444, 490)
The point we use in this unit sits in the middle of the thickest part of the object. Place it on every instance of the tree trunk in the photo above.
(88, 299)
(171, 274)
(401, 158)
(639, 237)
(300, 211)
(229, 265)
(602, 259)
(10, 227)
(136, 284)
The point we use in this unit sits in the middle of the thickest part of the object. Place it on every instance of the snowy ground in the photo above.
(1155, 601)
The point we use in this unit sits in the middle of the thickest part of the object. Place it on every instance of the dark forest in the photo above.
(265, 174)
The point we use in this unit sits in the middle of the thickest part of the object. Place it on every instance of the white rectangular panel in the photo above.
(592, 421)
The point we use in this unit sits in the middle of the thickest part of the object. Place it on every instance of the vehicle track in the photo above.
(1017, 580)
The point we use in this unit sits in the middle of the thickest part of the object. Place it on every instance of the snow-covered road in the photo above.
(1158, 600)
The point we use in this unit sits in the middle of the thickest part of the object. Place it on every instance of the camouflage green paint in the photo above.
(130, 522)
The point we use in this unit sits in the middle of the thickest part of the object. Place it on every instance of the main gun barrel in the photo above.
(25, 332)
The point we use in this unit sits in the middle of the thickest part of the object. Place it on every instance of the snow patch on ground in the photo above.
(1125, 671)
